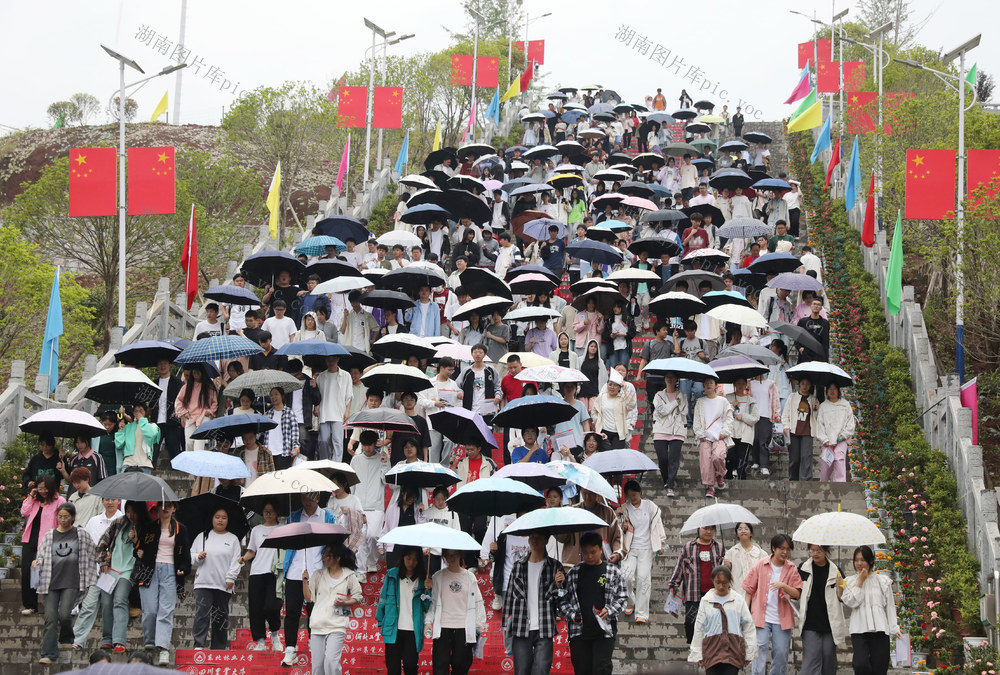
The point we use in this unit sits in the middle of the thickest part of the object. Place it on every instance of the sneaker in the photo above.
(260, 645)
(149, 646)
(709, 492)
(641, 619)
(671, 493)
(75, 611)
(79, 647)
(290, 657)
(27, 612)
(199, 649)
(45, 659)
(720, 484)
(164, 657)
(104, 645)
(119, 649)
(497, 603)
(276, 642)
(629, 609)
(765, 471)
(755, 466)
(134, 613)
(373, 568)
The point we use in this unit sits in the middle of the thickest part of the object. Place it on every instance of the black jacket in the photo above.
(467, 380)
(311, 396)
(149, 542)
(173, 388)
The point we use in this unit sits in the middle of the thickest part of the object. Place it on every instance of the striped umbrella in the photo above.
(218, 347)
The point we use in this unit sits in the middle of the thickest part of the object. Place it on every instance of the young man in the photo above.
(46, 462)
(660, 347)
(424, 318)
(473, 467)
(235, 315)
(490, 247)
(693, 573)
(455, 278)
(531, 451)
(780, 235)
(210, 324)
(738, 122)
(689, 179)
(553, 252)
(286, 292)
(305, 404)
(87, 505)
(251, 329)
(713, 429)
(644, 538)
(309, 300)
(446, 394)
(508, 255)
(691, 347)
(162, 413)
(593, 596)
(370, 465)
(359, 327)
(269, 359)
(373, 401)
(408, 403)
(281, 327)
(530, 605)
(480, 384)
(541, 339)
(337, 393)
(819, 328)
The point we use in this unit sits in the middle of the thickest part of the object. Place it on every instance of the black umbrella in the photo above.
(707, 210)
(146, 353)
(475, 150)
(197, 513)
(410, 279)
(387, 300)
(261, 269)
(799, 334)
(605, 117)
(648, 160)
(357, 359)
(344, 228)
(440, 178)
(515, 272)
(747, 279)
(534, 411)
(714, 299)
(524, 285)
(331, 268)
(756, 137)
(425, 214)
(636, 189)
(463, 426)
(684, 114)
(401, 346)
(122, 386)
(663, 216)
(735, 145)
(463, 182)
(233, 426)
(464, 204)
(396, 377)
(480, 282)
(757, 174)
(297, 536)
(775, 263)
(495, 497)
(703, 163)
(730, 179)
(135, 486)
(438, 156)
(655, 246)
(693, 279)
(233, 295)
(382, 419)
(704, 105)
(732, 368)
(676, 303)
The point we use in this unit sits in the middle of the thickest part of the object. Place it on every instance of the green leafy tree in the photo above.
(66, 111)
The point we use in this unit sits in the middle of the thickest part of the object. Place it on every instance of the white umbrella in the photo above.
(484, 307)
(528, 359)
(430, 535)
(417, 181)
(744, 316)
(622, 460)
(585, 478)
(531, 314)
(399, 238)
(342, 285)
(328, 467)
(839, 528)
(718, 515)
(551, 374)
(210, 464)
(558, 520)
(634, 274)
(456, 352)
(289, 481)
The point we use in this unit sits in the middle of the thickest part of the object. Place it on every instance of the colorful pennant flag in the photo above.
(527, 75)
(822, 141)
(894, 275)
(513, 90)
(437, 138)
(968, 394)
(973, 76)
(404, 155)
(345, 159)
(853, 177)
(802, 89)
(868, 228)
(930, 184)
(808, 102)
(189, 261)
(93, 173)
(273, 201)
(834, 161)
(493, 110)
(161, 108)
(151, 181)
(810, 118)
(387, 109)
(352, 107)
(983, 167)
(50, 340)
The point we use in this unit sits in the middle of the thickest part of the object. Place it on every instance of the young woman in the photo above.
(215, 556)
(822, 624)
(745, 416)
(283, 440)
(162, 566)
(614, 414)
(402, 604)
(566, 440)
(588, 325)
(196, 401)
(456, 616)
(770, 587)
(618, 333)
(333, 591)
(777, 374)
(713, 429)
(765, 393)
(669, 416)
(496, 337)
(592, 365)
(575, 207)
(472, 334)
(401, 511)
(264, 604)
(743, 555)
(246, 407)
(135, 438)
(66, 566)
(309, 330)
(873, 614)
(799, 421)
(565, 355)
(835, 426)
(39, 511)
(723, 611)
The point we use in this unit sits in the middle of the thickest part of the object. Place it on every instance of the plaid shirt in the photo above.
(289, 432)
(615, 596)
(687, 572)
(265, 460)
(85, 556)
(515, 600)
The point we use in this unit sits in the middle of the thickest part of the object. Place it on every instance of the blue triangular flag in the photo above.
(853, 177)
(823, 142)
(493, 111)
(404, 153)
(50, 342)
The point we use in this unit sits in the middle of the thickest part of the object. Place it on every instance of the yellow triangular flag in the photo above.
(272, 200)
(160, 108)
(810, 118)
(513, 90)
(437, 138)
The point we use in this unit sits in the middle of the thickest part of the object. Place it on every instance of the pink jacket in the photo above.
(28, 510)
(585, 334)
(758, 583)
(194, 414)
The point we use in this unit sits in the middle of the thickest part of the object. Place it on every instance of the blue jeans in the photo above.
(616, 357)
(58, 620)
(779, 640)
(159, 599)
(94, 600)
(693, 390)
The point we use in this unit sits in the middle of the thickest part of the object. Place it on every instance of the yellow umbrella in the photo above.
(711, 119)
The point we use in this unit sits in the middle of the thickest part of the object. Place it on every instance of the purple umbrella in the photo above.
(794, 281)
(463, 426)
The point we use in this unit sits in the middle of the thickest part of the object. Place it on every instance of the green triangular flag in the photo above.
(60, 121)
(808, 102)
(894, 276)
(972, 76)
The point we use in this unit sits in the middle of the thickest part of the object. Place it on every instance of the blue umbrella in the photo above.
(344, 228)
(616, 225)
(179, 342)
(211, 464)
(146, 353)
(424, 214)
(218, 347)
(463, 426)
(510, 151)
(317, 245)
(430, 535)
(233, 295)
(534, 411)
(233, 426)
(262, 268)
(596, 252)
(687, 369)
(313, 348)
(660, 118)
(659, 191)
(572, 116)
(771, 184)
(495, 497)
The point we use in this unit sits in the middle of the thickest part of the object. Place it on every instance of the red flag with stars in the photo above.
(461, 69)
(352, 107)
(824, 49)
(854, 75)
(92, 182)
(535, 52)
(828, 77)
(151, 181)
(387, 110)
(984, 173)
(930, 184)
(488, 71)
(860, 108)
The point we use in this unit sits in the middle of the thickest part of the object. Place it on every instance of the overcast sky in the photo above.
(51, 49)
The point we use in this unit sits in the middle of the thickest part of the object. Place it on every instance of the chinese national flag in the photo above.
(984, 173)
(860, 108)
(387, 110)
(828, 77)
(92, 177)
(854, 75)
(488, 71)
(930, 184)
(893, 99)
(151, 181)
(352, 107)
(461, 69)
(824, 49)
(535, 52)
(527, 75)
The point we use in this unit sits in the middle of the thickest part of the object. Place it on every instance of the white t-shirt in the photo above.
(761, 392)
(212, 329)
(641, 524)
(161, 412)
(534, 581)
(250, 459)
(406, 589)
(771, 611)
(713, 416)
(281, 330)
(454, 598)
(264, 558)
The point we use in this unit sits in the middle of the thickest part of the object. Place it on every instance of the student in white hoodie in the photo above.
(644, 538)
(835, 426)
(215, 556)
(332, 592)
(873, 614)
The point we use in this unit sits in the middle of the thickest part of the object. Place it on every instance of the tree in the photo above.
(87, 106)
(293, 124)
(984, 86)
(876, 13)
(131, 108)
(62, 112)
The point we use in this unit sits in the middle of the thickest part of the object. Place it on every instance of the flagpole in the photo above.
(475, 66)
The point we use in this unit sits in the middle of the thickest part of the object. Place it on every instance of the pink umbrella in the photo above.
(454, 351)
(532, 283)
(640, 203)
(492, 185)
(613, 197)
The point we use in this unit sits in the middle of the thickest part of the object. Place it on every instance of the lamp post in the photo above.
(835, 21)
(384, 68)
(376, 33)
(122, 205)
(959, 87)
(527, 22)
(475, 64)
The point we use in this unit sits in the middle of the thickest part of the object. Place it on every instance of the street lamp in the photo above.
(376, 32)
(385, 66)
(527, 22)
(840, 65)
(475, 63)
(122, 207)
(959, 87)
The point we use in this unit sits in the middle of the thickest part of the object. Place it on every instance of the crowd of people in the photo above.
(655, 224)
